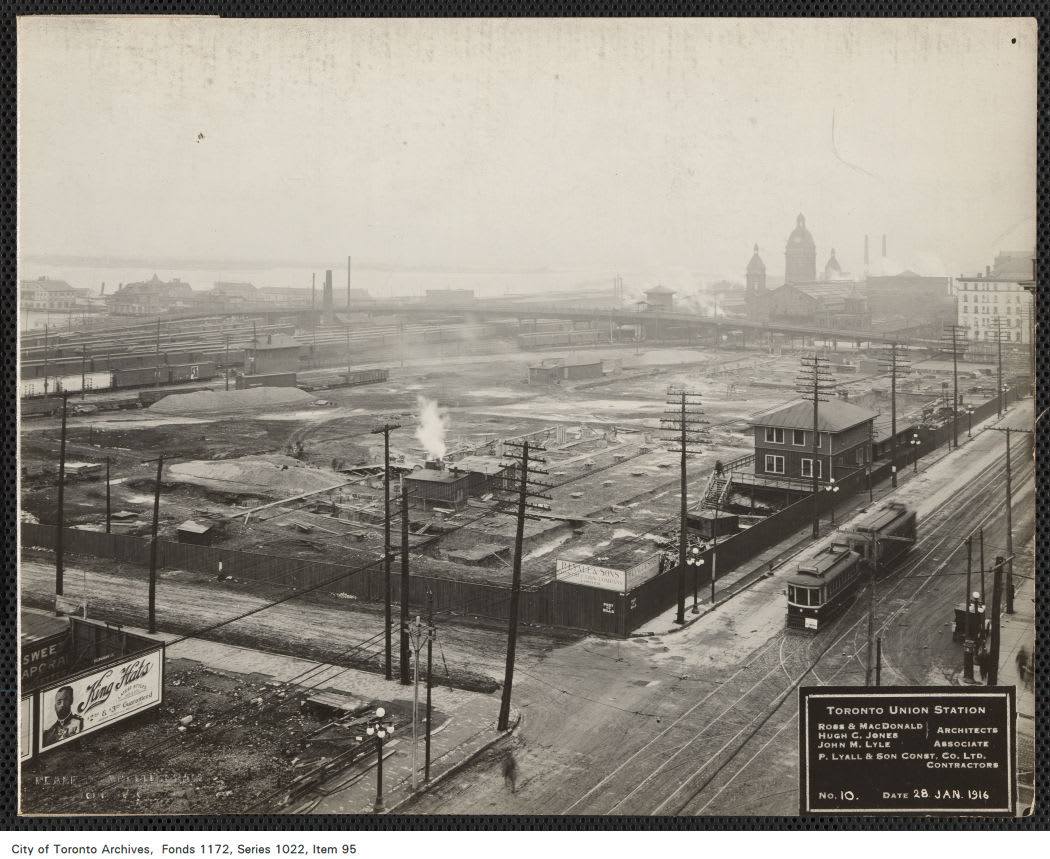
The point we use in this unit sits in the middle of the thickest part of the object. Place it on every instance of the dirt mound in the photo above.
(277, 476)
(202, 402)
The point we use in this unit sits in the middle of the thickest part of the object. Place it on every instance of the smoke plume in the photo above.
(433, 424)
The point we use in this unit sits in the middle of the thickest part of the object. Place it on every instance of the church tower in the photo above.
(800, 256)
(755, 292)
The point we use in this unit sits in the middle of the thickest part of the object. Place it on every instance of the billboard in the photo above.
(25, 728)
(82, 704)
(44, 658)
(605, 578)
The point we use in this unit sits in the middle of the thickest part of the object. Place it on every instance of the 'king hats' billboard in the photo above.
(85, 703)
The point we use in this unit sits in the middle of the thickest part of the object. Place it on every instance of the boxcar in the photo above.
(819, 590)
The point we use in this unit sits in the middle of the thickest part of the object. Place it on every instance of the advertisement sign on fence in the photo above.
(25, 728)
(85, 703)
(605, 578)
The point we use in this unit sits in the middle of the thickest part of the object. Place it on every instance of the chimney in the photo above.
(884, 244)
(103, 292)
(326, 297)
(348, 284)
(865, 249)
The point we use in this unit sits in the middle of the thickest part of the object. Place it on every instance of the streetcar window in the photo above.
(791, 593)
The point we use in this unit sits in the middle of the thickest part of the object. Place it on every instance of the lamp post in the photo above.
(915, 443)
(696, 562)
(832, 488)
(380, 730)
(969, 421)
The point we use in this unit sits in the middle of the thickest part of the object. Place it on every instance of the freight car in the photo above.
(71, 383)
(820, 590)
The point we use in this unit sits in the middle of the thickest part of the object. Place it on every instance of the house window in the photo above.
(774, 464)
(798, 436)
(807, 468)
(774, 435)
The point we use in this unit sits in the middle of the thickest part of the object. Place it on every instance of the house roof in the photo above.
(433, 475)
(833, 416)
(274, 341)
(659, 289)
(47, 285)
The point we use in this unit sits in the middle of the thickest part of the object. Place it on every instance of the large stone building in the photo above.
(150, 297)
(908, 299)
(997, 300)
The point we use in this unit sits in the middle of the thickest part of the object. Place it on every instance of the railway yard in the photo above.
(296, 473)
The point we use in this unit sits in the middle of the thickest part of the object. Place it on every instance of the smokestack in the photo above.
(348, 284)
(987, 271)
(865, 250)
(884, 244)
(326, 297)
(313, 290)
(103, 292)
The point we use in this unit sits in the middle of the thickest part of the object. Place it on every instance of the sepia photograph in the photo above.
(542, 417)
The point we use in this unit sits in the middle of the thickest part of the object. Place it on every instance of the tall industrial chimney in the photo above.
(348, 284)
(313, 291)
(884, 244)
(865, 250)
(326, 298)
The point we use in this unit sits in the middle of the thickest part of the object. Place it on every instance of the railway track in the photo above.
(710, 744)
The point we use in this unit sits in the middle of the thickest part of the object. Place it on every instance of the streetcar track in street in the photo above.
(986, 478)
(901, 578)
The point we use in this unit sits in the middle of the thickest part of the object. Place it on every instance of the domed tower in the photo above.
(800, 256)
(754, 294)
(832, 271)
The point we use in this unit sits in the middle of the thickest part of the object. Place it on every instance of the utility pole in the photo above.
(873, 568)
(385, 430)
(896, 363)
(1009, 521)
(430, 673)
(348, 352)
(950, 343)
(999, 350)
(108, 518)
(878, 661)
(418, 632)
(526, 492)
(348, 289)
(61, 512)
(83, 370)
(227, 362)
(814, 382)
(45, 360)
(997, 587)
(153, 549)
(684, 426)
(980, 543)
(156, 362)
(404, 586)
(968, 644)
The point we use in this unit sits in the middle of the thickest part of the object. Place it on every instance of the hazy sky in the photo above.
(597, 145)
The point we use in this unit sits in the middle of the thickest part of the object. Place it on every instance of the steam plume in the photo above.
(433, 424)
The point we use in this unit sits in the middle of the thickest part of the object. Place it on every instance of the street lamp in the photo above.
(915, 442)
(696, 562)
(380, 730)
(969, 421)
(831, 487)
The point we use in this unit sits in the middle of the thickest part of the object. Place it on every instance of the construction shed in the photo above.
(274, 353)
(196, 533)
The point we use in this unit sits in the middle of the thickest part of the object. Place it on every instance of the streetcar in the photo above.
(819, 591)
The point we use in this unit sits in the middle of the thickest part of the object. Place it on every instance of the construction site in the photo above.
(285, 483)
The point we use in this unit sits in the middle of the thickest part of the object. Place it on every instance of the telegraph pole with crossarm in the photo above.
(814, 382)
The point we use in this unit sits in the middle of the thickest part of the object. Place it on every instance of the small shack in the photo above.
(196, 533)
(277, 353)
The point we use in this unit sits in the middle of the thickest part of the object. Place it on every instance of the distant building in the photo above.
(150, 297)
(234, 291)
(839, 304)
(276, 353)
(784, 440)
(755, 288)
(659, 298)
(910, 298)
(46, 294)
(449, 296)
(800, 255)
(556, 370)
(997, 300)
